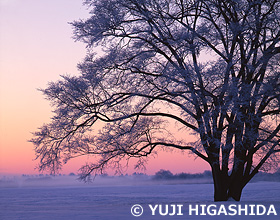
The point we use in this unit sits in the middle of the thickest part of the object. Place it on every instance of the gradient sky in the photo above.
(36, 47)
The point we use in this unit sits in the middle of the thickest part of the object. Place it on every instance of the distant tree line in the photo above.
(207, 174)
(168, 175)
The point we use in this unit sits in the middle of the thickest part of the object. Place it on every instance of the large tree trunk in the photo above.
(220, 184)
(235, 190)
(226, 188)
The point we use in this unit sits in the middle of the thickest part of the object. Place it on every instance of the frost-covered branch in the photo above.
(209, 67)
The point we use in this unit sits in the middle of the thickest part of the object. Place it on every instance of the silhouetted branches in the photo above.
(210, 66)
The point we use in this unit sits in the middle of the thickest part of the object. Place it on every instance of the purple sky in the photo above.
(36, 47)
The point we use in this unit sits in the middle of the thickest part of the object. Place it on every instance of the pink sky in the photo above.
(36, 47)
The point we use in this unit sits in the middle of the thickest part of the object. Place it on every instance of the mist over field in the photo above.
(111, 197)
(160, 177)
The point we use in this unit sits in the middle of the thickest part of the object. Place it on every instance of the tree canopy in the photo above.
(210, 66)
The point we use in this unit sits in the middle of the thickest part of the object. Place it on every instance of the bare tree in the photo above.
(210, 66)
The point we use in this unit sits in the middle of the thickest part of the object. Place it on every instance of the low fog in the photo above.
(161, 177)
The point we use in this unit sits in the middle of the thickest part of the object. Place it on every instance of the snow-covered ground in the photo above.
(112, 198)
